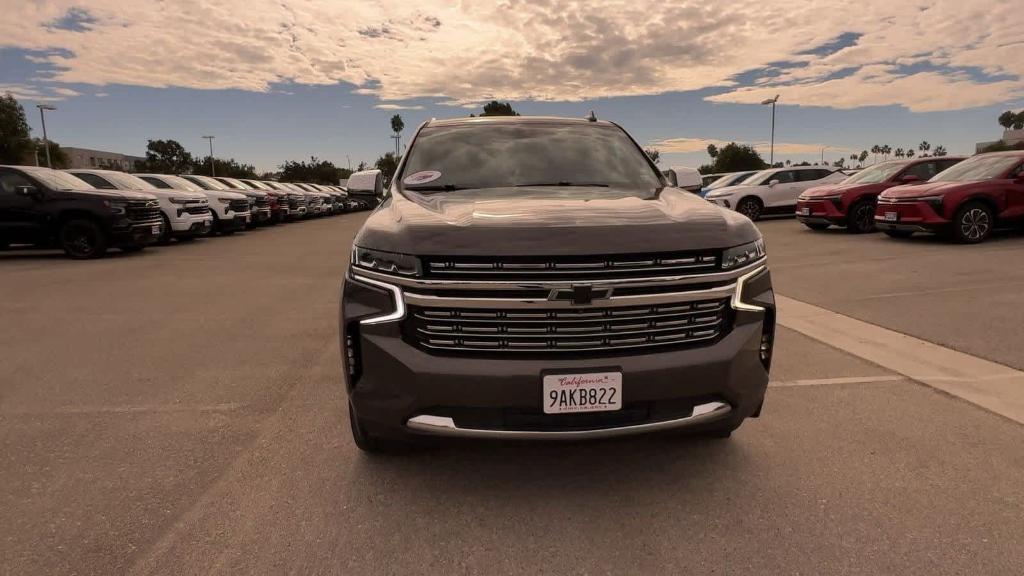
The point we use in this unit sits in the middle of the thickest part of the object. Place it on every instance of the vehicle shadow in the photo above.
(29, 253)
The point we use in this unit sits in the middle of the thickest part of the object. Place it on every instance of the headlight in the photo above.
(743, 255)
(224, 200)
(934, 201)
(183, 200)
(116, 206)
(388, 262)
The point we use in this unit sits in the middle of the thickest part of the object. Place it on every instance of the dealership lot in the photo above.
(181, 410)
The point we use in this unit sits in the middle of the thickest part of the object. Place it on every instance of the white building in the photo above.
(86, 158)
(1011, 137)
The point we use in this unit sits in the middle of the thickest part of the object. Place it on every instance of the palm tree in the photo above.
(397, 125)
(875, 150)
(910, 152)
(940, 150)
(853, 158)
(887, 150)
(924, 147)
(899, 153)
(1006, 119)
(863, 156)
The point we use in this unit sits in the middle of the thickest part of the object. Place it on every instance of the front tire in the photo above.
(165, 231)
(861, 218)
(82, 239)
(973, 223)
(751, 208)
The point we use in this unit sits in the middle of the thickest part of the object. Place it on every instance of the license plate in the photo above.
(805, 211)
(156, 229)
(597, 392)
(891, 216)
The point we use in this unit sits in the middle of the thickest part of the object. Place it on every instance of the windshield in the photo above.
(728, 180)
(128, 181)
(758, 177)
(233, 184)
(179, 183)
(206, 182)
(876, 173)
(977, 168)
(494, 156)
(58, 180)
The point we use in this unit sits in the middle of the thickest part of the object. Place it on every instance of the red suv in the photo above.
(851, 203)
(966, 202)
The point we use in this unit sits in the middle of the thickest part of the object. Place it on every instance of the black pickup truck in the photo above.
(49, 208)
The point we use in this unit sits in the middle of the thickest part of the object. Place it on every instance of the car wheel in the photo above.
(751, 208)
(861, 218)
(165, 232)
(973, 223)
(899, 233)
(82, 239)
(818, 226)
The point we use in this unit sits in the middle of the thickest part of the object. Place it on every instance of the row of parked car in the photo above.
(86, 212)
(965, 199)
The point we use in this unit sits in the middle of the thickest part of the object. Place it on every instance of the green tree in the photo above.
(1018, 121)
(387, 164)
(853, 158)
(495, 108)
(712, 151)
(397, 126)
(940, 150)
(924, 147)
(899, 153)
(653, 154)
(316, 171)
(362, 166)
(910, 152)
(886, 150)
(57, 156)
(14, 131)
(230, 168)
(1006, 119)
(735, 157)
(167, 157)
(863, 157)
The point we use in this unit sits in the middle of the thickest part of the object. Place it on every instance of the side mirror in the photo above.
(773, 182)
(908, 178)
(29, 191)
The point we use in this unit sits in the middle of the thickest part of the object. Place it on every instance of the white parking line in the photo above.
(828, 381)
(992, 386)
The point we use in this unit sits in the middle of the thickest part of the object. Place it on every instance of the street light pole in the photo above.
(823, 154)
(771, 154)
(213, 171)
(46, 140)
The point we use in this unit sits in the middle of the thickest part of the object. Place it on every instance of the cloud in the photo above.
(922, 54)
(30, 93)
(690, 145)
(396, 107)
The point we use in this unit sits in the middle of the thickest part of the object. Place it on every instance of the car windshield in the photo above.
(58, 180)
(977, 168)
(206, 182)
(876, 173)
(231, 183)
(506, 155)
(758, 177)
(179, 183)
(728, 180)
(128, 181)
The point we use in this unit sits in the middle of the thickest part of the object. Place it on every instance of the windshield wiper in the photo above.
(562, 183)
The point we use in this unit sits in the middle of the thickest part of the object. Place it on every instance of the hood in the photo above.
(168, 193)
(551, 221)
(259, 194)
(115, 194)
(925, 189)
(226, 194)
(832, 189)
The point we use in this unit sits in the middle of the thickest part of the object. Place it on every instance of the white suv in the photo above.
(230, 210)
(773, 191)
(186, 214)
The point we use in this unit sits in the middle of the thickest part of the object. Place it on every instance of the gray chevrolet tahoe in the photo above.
(538, 278)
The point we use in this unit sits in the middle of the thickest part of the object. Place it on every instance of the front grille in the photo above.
(143, 210)
(529, 330)
(570, 268)
(316, 201)
(263, 202)
(296, 203)
(239, 205)
(197, 209)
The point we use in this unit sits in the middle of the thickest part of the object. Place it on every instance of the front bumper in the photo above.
(820, 212)
(188, 224)
(910, 217)
(399, 389)
(236, 222)
(725, 202)
(136, 234)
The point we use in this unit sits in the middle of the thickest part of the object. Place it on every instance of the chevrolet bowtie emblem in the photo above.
(580, 294)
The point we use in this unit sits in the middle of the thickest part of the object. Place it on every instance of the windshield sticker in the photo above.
(421, 177)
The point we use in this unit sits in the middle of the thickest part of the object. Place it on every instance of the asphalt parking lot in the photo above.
(181, 411)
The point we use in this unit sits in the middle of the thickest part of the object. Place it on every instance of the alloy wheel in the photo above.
(974, 224)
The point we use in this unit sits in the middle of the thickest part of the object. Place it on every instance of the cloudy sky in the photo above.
(286, 79)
